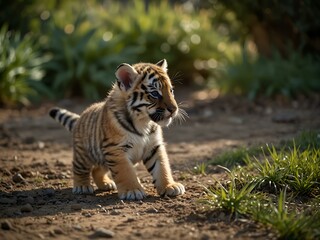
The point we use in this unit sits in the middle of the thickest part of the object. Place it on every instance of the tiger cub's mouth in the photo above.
(159, 117)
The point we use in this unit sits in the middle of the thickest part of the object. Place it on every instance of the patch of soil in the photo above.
(36, 179)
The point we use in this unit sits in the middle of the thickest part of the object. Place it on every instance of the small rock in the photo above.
(58, 231)
(27, 174)
(87, 214)
(78, 227)
(6, 225)
(130, 219)
(41, 236)
(205, 237)
(152, 210)
(76, 207)
(60, 164)
(115, 212)
(41, 145)
(102, 233)
(26, 208)
(17, 178)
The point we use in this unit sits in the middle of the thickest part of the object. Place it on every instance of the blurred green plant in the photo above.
(253, 77)
(272, 24)
(20, 69)
(81, 64)
(186, 39)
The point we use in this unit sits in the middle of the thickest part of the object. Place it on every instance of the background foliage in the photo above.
(237, 47)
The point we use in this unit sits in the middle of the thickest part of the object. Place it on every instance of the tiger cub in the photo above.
(123, 130)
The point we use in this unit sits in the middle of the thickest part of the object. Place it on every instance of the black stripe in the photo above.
(65, 120)
(134, 98)
(140, 105)
(153, 152)
(153, 129)
(111, 163)
(129, 120)
(71, 123)
(152, 167)
(61, 116)
(141, 96)
(53, 112)
(152, 75)
(144, 88)
(77, 165)
(131, 128)
(112, 144)
(126, 147)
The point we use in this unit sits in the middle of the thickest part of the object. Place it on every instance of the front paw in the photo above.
(108, 186)
(135, 194)
(172, 190)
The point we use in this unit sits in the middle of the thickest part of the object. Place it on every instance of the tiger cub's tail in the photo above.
(64, 117)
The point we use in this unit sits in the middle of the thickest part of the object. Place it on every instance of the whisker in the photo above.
(176, 78)
(183, 104)
(181, 116)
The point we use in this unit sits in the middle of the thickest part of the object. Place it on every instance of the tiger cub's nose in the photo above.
(172, 109)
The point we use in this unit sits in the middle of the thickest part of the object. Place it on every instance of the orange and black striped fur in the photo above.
(123, 130)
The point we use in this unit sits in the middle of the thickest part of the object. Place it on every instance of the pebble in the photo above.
(17, 178)
(115, 212)
(41, 145)
(77, 227)
(102, 233)
(26, 208)
(152, 210)
(58, 231)
(28, 174)
(6, 225)
(76, 207)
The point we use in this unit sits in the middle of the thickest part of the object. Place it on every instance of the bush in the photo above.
(87, 46)
(274, 24)
(82, 64)
(20, 69)
(298, 74)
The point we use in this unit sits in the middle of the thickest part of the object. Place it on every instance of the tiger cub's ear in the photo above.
(126, 75)
(163, 64)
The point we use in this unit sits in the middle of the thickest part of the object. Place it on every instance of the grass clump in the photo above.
(299, 170)
(260, 189)
(230, 198)
(200, 169)
(288, 224)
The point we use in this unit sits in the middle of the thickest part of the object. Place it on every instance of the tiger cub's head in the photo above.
(149, 92)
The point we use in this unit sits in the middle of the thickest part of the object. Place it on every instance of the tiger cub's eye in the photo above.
(155, 94)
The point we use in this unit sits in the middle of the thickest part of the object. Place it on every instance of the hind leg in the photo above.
(102, 180)
(81, 174)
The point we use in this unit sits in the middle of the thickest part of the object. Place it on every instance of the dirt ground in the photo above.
(36, 179)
